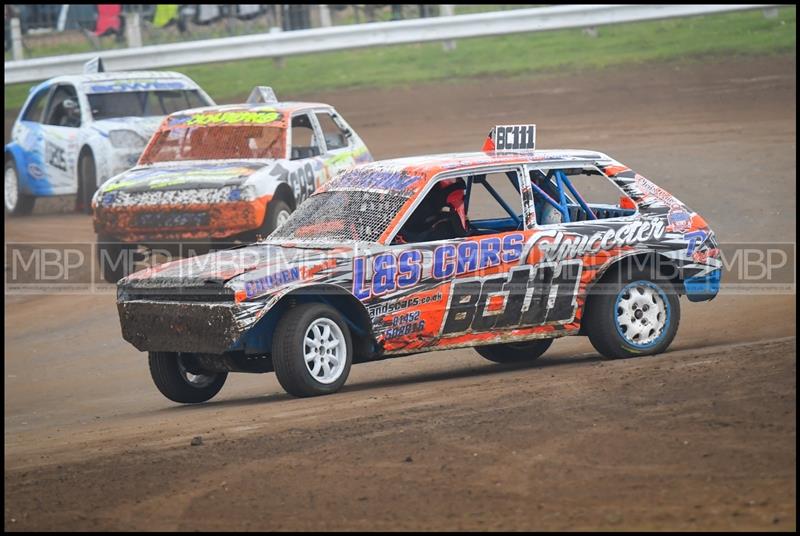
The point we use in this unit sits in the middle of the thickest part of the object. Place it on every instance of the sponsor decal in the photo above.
(394, 180)
(679, 220)
(35, 171)
(404, 324)
(391, 272)
(525, 296)
(226, 118)
(693, 240)
(702, 256)
(116, 86)
(648, 188)
(558, 246)
(172, 219)
(268, 282)
(388, 307)
(155, 178)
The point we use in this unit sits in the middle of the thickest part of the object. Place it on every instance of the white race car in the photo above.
(76, 131)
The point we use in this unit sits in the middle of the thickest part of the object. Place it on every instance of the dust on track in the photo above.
(701, 437)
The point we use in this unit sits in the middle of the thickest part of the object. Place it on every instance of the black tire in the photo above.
(289, 349)
(116, 259)
(654, 310)
(171, 377)
(276, 210)
(87, 182)
(19, 204)
(515, 352)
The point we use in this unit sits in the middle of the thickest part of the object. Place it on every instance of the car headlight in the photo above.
(126, 139)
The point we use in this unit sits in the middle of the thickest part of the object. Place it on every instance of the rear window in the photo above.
(143, 103)
(216, 143)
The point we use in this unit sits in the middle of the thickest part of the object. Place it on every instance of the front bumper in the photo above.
(180, 326)
(158, 222)
(703, 287)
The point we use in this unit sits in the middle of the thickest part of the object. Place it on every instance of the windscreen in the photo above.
(143, 103)
(342, 215)
(219, 142)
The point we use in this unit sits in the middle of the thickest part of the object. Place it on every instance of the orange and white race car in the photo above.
(221, 173)
(502, 250)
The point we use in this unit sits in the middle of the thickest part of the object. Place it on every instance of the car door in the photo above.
(582, 221)
(305, 168)
(475, 281)
(60, 126)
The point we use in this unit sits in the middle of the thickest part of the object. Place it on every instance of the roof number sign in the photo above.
(515, 137)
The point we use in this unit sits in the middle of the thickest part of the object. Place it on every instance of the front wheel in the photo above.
(87, 177)
(632, 314)
(312, 350)
(177, 378)
(515, 352)
(277, 214)
(17, 203)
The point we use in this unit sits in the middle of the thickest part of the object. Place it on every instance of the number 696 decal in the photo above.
(526, 296)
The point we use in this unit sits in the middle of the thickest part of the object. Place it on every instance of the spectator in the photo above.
(109, 21)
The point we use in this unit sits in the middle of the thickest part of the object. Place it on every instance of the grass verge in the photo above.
(740, 33)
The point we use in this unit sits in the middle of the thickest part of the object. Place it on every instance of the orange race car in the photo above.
(502, 250)
(221, 174)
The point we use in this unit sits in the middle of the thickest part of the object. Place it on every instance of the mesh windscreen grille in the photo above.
(342, 215)
(216, 143)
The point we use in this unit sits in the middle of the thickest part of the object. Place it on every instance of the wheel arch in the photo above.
(259, 337)
(16, 154)
(284, 192)
(86, 148)
(664, 266)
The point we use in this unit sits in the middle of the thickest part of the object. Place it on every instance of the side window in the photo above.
(570, 195)
(35, 109)
(64, 110)
(494, 203)
(167, 102)
(466, 206)
(304, 140)
(335, 135)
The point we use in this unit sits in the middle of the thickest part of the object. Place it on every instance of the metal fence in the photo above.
(52, 29)
(276, 44)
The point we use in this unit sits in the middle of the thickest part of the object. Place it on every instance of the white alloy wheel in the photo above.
(11, 189)
(324, 350)
(282, 217)
(642, 313)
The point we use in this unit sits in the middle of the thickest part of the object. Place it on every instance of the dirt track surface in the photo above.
(701, 437)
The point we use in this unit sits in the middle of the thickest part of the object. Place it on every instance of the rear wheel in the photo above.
(312, 350)
(87, 185)
(178, 380)
(635, 313)
(16, 203)
(515, 352)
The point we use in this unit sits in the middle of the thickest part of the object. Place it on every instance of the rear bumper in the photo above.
(703, 287)
(159, 222)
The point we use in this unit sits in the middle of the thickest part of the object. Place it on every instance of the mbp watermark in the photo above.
(79, 268)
